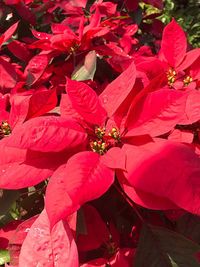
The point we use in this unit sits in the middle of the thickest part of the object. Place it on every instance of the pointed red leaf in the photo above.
(36, 68)
(189, 59)
(116, 92)
(8, 34)
(66, 109)
(174, 43)
(20, 50)
(86, 102)
(19, 109)
(41, 102)
(157, 113)
(48, 133)
(43, 247)
(82, 179)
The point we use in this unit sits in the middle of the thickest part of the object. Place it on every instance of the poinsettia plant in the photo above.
(99, 136)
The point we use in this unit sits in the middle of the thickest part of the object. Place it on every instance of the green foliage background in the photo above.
(187, 13)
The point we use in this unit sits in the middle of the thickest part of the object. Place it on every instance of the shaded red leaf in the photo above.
(8, 75)
(97, 232)
(20, 50)
(8, 33)
(41, 102)
(36, 68)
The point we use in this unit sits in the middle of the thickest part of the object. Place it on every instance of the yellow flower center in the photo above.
(187, 80)
(102, 142)
(5, 128)
(171, 76)
(114, 133)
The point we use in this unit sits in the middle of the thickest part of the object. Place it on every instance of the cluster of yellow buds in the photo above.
(5, 128)
(98, 146)
(114, 133)
(102, 142)
(187, 80)
(171, 76)
(100, 132)
(73, 48)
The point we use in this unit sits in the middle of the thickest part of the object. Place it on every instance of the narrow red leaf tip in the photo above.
(86, 102)
(116, 92)
(8, 34)
(174, 44)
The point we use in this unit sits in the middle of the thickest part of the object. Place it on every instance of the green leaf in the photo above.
(136, 16)
(8, 197)
(163, 248)
(4, 256)
(87, 70)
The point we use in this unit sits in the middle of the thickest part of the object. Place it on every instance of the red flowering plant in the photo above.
(99, 136)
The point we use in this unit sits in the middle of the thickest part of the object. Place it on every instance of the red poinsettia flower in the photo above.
(179, 62)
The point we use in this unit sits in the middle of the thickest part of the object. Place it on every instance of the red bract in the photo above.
(8, 34)
(8, 76)
(174, 168)
(78, 182)
(48, 248)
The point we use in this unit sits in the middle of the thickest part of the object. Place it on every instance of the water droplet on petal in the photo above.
(50, 257)
(37, 232)
(56, 257)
